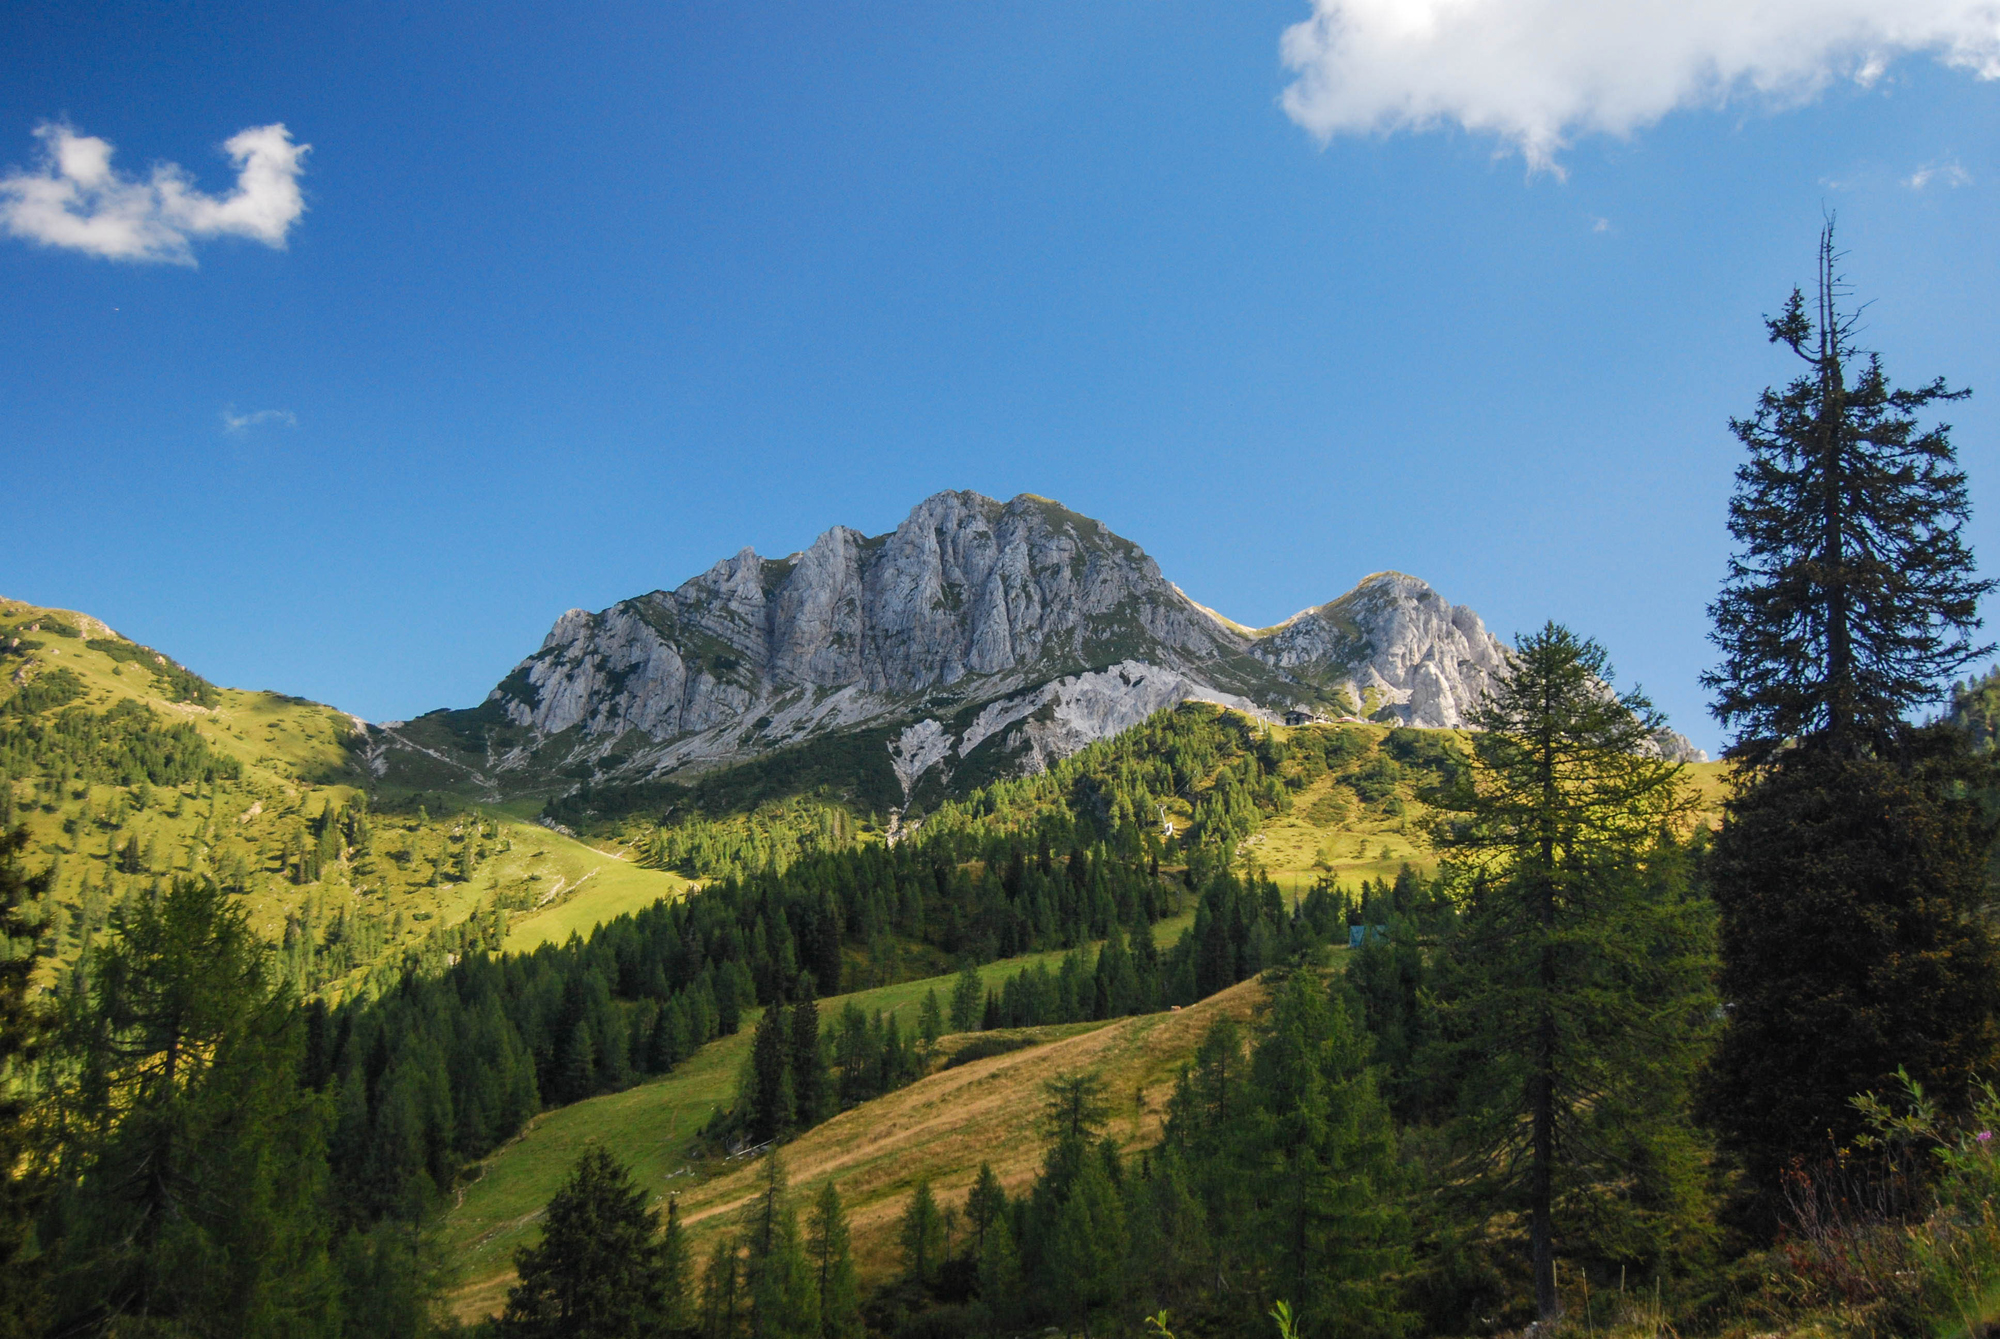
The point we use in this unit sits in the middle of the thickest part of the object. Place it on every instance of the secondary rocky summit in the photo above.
(978, 639)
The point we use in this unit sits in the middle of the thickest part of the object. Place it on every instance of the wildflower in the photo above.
(1985, 1136)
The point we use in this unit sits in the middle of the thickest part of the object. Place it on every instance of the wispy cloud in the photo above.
(1945, 173)
(233, 422)
(74, 198)
(1537, 73)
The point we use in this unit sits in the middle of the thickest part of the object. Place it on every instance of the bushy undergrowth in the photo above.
(1898, 1235)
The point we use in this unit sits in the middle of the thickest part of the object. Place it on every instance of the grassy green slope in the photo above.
(576, 887)
(946, 1124)
(375, 901)
(655, 1127)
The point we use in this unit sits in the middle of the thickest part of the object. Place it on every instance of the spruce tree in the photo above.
(597, 1272)
(1852, 595)
(1849, 871)
(812, 1098)
(1850, 894)
(930, 1021)
(1573, 986)
(771, 1091)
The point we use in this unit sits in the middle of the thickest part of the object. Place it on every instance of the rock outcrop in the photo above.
(1011, 633)
(1391, 642)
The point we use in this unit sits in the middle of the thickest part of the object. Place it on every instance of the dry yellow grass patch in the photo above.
(945, 1125)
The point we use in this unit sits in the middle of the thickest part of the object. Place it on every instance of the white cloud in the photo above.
(1537, 73)
(233, 422)
(1947, 172)
(74, 198)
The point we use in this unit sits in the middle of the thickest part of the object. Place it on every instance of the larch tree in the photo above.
(1321, 1149)
(784, 1300)
(1573, 987)
(984, 1204)
(192, 1167)
(967, 994)
(829, 1254)
(921, 1235)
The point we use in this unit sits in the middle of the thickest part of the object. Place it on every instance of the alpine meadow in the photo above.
(1364, 975)
(931, 919)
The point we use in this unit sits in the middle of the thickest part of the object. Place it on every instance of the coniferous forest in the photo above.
(1617, 1060)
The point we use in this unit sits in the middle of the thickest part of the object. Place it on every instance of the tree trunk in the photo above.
(1542, 1081)
(1541, 1177)
(1833, 507)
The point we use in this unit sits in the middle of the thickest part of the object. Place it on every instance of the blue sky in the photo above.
(575, 300)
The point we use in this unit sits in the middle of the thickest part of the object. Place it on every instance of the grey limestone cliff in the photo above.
(1013, 633)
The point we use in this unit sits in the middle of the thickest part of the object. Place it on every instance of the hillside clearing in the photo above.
(655, 1127)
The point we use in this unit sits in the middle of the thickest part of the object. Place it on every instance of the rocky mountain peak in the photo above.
(1018, 631)
(1392, 642)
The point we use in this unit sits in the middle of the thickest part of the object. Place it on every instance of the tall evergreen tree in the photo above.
(1323, 1150)
(1000, 1280)
(1073, 1106)
(930, 1021)
(829, 1254)
(1850, 894)
(676, 1272)
(1574, 985)
(1849, 871)
(1852, 595)
(771, 1092)
(984, 1205)
(966, 997)
(921, 1235)
(811, 1096)
(193, 1164)
(784, 1297)
(597, 1272)
(1087, 1253)
(721, 1300)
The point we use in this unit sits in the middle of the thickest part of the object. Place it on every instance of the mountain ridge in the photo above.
(978, 638)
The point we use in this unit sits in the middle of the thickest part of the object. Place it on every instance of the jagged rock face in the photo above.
(1021, 630)
(1396, 642)
(967, 595)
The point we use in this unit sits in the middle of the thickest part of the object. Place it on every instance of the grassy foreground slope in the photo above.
(945, 1125)
(656, 1126)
